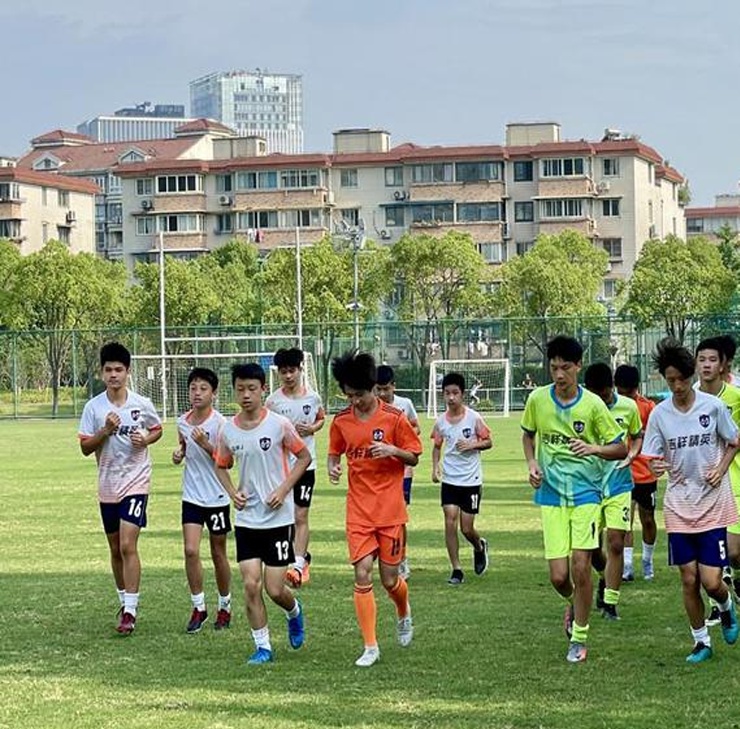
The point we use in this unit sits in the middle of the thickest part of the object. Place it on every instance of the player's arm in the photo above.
(388, 450)
(178, 455)
(615, 451)
(715, 475)
(436, 456)
(90, 443)
(144, 440)
(481, 442)
(318, 424)
(201, 438)
(277, 497)
(224, 460)
(334, 467)
(529, 448)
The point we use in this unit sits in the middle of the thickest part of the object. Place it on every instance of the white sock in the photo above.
(647, 552)
(262, 638)
(726, 605)
(224, 602)
(701, 635)
(300, 562)
(628, 559)
(121, 593)
(131, 603)
(295, 611)
(199, 601)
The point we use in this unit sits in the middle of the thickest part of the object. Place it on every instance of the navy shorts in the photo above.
(303, 490)
(645, 495)
(466, 497)
(407, 490)
(273, 547)
(131, 509)
(708, 548)
(216, 518)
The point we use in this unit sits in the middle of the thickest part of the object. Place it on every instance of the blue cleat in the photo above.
(577, 652)
(730, 628)
(699, 654)
(296, 633)
(260, 656)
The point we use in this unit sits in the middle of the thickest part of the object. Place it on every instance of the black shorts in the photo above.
(645, 494)
(216, 518)
(131, 509)
(303, 490)
(274, 547)
(466, 497)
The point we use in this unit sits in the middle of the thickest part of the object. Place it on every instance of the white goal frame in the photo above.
(454, 365)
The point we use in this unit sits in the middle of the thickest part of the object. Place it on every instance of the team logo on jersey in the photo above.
(579, 426)
(620, 421)
(306, 409)
(265, 443)
(704, 421)
(467, 432)
(378, 434)
(135, 414)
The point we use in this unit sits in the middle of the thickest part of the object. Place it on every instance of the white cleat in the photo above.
(369, 656)
(405, 631)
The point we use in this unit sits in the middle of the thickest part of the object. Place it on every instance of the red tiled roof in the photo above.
(726, 212)
(58, 136)
(273, 161)
(203, 125)
(47, 179)
(667, 172)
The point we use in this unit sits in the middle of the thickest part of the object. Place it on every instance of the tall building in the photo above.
(254, 103)
(132, 124)
(709, 221)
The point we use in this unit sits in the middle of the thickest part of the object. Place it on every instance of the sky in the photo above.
(428, 71)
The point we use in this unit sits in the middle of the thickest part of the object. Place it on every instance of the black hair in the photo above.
(385, 375)
(598, 377)
(248, 371)
(356, 370)
(567, 348)
(203, 373)
(627, 377)
(714, 343)
(671, 353)
(292, 357)
(729, 347)
(115, 352)
(454, 378)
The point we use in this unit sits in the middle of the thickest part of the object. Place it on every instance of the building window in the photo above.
(299, 178)
(44, 196)
(523, 247)
(348, 178)
(351, 216)
(180, 183)
(492, 252)
(310, 218)
(431, 173)
(695, 225)
(650, 212)
(63, 198)
(180, 223)
(477, 171)
(145, 226)
(257, 180)
(115, 213)
(561, 208)
(523, 171)
(145, 186)
(610, 288)
(438, 213)
(395, 216)
(610, 167)
(257, 219)
(613, 246)
(565, 167)
(224, 183)
(114, 184)
(9, 191)
(394, 176)
(478, 212)
(63, 234)
(610, 208)
(523, 212)
(10, 228)
(224, 223)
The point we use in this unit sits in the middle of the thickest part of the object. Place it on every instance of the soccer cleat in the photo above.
(368, 657)
(699, 653)
(648, 571)
(577, 652)
(197, 620)
(456, 578)
(296, 633)
(480, 558)
(730, 628)
(223, 620)
(405, 630)
(568, 620)
(714, 617)
(610, 612)
(727, 576)
(294, 577)
(306, 574)
(403, 570)
(628, 576)
(127, 624)
(260, 656)
(600, 604)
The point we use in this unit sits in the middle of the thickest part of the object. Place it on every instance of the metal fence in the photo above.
(47, 374)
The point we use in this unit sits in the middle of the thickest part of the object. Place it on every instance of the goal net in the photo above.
(487, 385)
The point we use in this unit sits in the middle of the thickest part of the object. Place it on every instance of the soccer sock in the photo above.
(399, 593)
(121, 594)
(199, 601)
(727, 604)
(647, 552)
(295, 611)
(300, 562)
(611, 597)
(261, 638)
(701, 635)
(568, 599)
(580, 633)
(224, 602)
(131, 603)
(366, 611)
(628, 551)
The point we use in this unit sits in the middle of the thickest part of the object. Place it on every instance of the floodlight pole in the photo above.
(299, 288)
(356, 286)
(162, 328)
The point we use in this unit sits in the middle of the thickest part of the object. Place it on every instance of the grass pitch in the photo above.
(490, 653)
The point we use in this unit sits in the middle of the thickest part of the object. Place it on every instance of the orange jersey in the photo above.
(641, 473)
(375, 485)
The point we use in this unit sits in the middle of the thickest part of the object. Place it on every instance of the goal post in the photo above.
(487, 385)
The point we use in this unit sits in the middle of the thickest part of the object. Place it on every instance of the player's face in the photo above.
(362, 400)
(290, 377)
(200, 394)
(114, 375)
(564, 374)
(385, 392)
(453, 396)
(625, 392)
(607, 395)
(679, 385)
(248, 394)
(709, 364)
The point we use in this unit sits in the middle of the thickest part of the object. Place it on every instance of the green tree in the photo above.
(729, 249)
(674, 282)
(10, 259)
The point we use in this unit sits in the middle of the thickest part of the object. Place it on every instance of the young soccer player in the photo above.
(378, 442)
(386, 391)
(692, 438)
(616, 485)
(204, 500)
(566, 430)
(627, 381)
(474, 390)
(729, 348)
(118, 426)
(464, 435)
(262, 442)
(304, 409)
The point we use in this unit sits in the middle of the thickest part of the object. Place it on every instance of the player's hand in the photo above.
(303, 429)
(239, 499)
(582, 449)
(625, 463)
(382, 450)
(335, 473)
(713, 477)
(275, 499)
(535, 475)
(465, 446)
(200, 437)
(177, 455)
(658, 467)
(138, 439)
(435, 475)
(112, 421)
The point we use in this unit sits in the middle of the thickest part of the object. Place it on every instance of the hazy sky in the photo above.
(428, 71)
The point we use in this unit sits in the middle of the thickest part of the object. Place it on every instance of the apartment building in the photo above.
(617, 191)
(708, 221)
(36, 207)
(132, 124)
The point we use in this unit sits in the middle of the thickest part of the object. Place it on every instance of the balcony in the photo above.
(313, 197)
(553, 226)
(566, 187)
(461, 192)
(179, 203)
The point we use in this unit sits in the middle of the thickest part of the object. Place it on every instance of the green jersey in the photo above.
(625, 413)
(730, 396)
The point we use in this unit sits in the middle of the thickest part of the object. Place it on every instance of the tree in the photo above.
(559, 277)
(10, 259)
(674, 282)
(729, 249)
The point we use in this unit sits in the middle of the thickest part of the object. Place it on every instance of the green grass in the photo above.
(487, 654)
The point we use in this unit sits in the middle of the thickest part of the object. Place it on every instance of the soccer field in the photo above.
(490, 653)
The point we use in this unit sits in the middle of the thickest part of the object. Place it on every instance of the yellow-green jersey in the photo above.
(627, 416)
(568, 479)
(730, 396)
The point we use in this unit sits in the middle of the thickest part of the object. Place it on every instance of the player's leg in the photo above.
(646, 510)
(556, 536)
(363, 546)
(733, 546)
(299, 573)
(251, 572)
(132, 513)
(192, 529)
(452, 518)
(404, 569)
(390, 540)
(219, 525)
(111, 527)
(469, 508)
(628, 573)
(712, 560)
(617, 518)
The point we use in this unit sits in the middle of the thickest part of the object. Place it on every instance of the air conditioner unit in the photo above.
(147, 205)
(505, 230)
(400, 195)
(71, 216)
(603, 187)
(225, 200)
(385, 235)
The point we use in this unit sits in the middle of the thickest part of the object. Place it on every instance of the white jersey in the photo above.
(123, 470)
(407, 406)
(306, 409)
(460, 469)
(693, 443)
(262, 453)
(199, 482)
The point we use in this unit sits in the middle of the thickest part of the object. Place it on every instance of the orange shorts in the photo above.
(386, 543)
